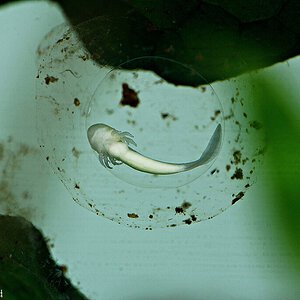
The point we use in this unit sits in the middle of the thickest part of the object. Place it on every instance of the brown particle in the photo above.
(188, 221)
(83, 57)
(237, 155)
(179, 210)
(64, 268)
(50, 79)
(168, 116)
(213, 171)
(239, 196)
(129, 96)
(245, 160)
(238, 174)
(194, 218)
(59, 41)
(132, 215)
(76, 102)
(217, 112)
(228, 167)
(186, 205)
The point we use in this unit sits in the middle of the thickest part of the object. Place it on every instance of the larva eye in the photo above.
(172, 114)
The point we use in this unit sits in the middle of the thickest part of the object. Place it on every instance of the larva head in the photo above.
(105, 139)
(100, 137)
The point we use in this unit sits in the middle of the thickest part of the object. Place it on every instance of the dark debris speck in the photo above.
(239, 196)
(50, 79)
(76, 102)
(237, 155)
(129, 96)
(132, 215)
(188, 221)
(186, 205)
(179, 210)
(194, 218)
(238, 174)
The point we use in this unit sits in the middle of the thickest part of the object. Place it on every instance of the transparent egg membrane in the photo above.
(170, 123)
(162, 117)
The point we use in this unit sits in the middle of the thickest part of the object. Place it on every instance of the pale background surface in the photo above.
(236, 255)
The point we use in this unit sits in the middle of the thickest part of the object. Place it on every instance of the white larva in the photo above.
(113, 148)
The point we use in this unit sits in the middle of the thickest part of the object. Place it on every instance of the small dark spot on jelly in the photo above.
(194, 218)
(173, 225)
(237, 155)
(239, 196)
(132, 215)
(168, 116)
(129, 96)
(50, 79)
(245, 115)
(150, 216)
(76, 102)
(90, 205)
(238, 174)
(179, 210)
(186, 205)
(247, 185)
(77, 186)
(213, 171)
(188, 221)
(228, 167)
(245, 160)
(217, 112)
(47, 158)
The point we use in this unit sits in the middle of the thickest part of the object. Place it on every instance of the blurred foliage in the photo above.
(27, 270)
(219, 38)
(249, 11)
(283, 151)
